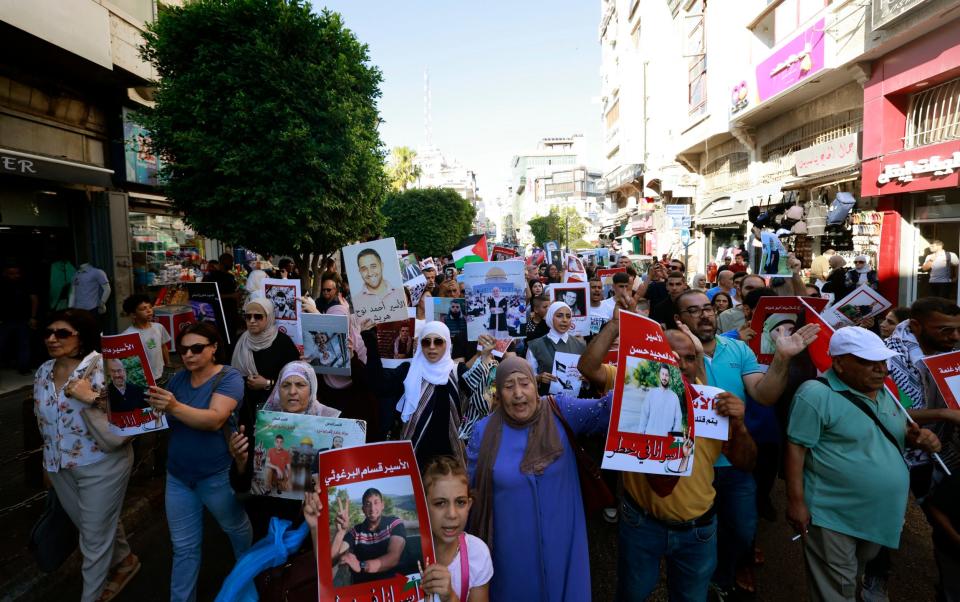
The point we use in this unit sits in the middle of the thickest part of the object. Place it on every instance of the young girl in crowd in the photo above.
(463, 569)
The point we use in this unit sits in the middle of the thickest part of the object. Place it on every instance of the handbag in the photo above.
(596, 495)
(54, 536)
(293, 581)
(95, 419)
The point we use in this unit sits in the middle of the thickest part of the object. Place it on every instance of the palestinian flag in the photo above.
(471, 249)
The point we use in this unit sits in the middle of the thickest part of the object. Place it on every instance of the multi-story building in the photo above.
(551, 155)
(437, 171)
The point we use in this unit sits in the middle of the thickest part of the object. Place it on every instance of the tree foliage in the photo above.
(266, 115)
(557, 225)
(403, 170)
(429, 221)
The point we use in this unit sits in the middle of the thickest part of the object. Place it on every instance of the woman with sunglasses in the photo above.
(862, 274)
(200, 402)
(89, 482)
(430, 389)
(261, 351)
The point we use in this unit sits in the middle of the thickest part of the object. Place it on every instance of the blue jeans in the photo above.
(185, 518)
(642, 541)
(737, 521)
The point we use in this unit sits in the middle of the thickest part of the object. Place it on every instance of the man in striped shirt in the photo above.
(372, 549)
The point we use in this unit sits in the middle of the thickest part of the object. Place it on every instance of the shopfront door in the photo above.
(948, 232)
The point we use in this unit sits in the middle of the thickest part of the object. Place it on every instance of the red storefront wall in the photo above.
(926, 62)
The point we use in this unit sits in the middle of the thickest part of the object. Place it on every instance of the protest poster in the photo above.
(771, 257)
(862, 303)
(285, 296)
(351, 532)
(286, 447)
(501, 253)
(495, 299)
(603, 257)
(325, 343)
(567, 374)
(945, 369)
(606, 278)
(775, 317)
(573, 270)
(651, 420)
(709, 424)
(577, 296)
(537, 257)
(409, 266)
(203, 298)
(395, 342)
(552, 250)
(428, 264)
(450, 311)
(128, 378)
(376, 285)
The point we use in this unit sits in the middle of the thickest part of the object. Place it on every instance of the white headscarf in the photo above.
(423, 371)
(255, 283)
(695, 277)
(305, 371)
(248, 343)
(556, 305)
(862, 271)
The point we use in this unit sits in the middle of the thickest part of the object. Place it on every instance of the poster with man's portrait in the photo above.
(203, 299)
(577, 296)
(325, 343)
(396, 342)
(862, 303)
(128, 379)
(451, 311)
(495, 299)
(376, 284)
(286, 447)
(285, 296)
(374, 529)
(778, 317)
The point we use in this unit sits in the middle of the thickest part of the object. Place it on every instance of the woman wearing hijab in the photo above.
(699, 282)
(528, 508)
(295, 392)
(775, 327)
(254, 286)
(540, 352)
(861, 274)
(430, 389)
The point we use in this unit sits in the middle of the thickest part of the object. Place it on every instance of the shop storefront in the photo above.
(911, 163)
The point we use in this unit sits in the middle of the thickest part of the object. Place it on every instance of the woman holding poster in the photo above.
(528, 509)
(541, 352)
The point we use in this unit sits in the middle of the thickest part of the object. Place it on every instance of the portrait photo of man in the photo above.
(124, 396)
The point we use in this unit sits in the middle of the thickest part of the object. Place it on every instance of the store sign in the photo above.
(793, 62)
(47, 168)
(142, 166)
(739, 97)
(934, 166)
(678, 222)
(828, 156)
(885, 11)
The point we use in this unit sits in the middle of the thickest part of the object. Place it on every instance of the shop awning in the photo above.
(827, 178)
(29, 165)
(721, 221)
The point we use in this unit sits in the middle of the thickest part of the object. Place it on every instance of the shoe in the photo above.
(610, 515)
(120, 576)
(715, 593)
(873, 589)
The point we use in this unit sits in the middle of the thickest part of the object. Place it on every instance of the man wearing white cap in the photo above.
(847, 483)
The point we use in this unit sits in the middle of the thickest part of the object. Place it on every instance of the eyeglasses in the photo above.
(696, 312)
(196, 349)
(425, 343)
(59, 333)
(328, 290)
(254, 317)
(859, 262)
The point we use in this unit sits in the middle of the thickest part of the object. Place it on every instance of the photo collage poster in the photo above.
(577, 296)
(495, 299)
(286, 448)
(128, 379)
(285, 296)
(386, 476)
(376, 285)
(652, 419)
(413, 279)
(775, 317)
(325, 343)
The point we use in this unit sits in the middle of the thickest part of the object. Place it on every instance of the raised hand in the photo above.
(343, 515)
(697, 343)
(312, 506)
(789, 347)
(239, 447)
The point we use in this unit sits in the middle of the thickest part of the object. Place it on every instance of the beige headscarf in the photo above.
(248, 343)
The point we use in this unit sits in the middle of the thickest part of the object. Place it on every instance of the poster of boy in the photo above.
(129, 378)
(376, 285)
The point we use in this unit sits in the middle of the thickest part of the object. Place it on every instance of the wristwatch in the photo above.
(363, 566)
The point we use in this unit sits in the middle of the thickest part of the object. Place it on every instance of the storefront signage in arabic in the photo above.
(828, 156)
(935, 166)
(797, 59)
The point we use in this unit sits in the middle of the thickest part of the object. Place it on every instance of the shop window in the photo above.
(934, 115)
(780, 19)
(613, 115)
(697, 59)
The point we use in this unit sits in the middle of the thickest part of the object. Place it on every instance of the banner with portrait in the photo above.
(862, 303)
(501, 253)
(373, 503)
(495, 299)
(396, 343)
(776, 317)
(285, 296)
(128, 379)
(376, 285)
(577, 296)
(325, 343)
(652, 418)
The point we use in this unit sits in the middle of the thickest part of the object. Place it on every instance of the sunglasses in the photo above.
(59, 333)
(425, 343)
(196, 349)
(328, 290)
(254, 317)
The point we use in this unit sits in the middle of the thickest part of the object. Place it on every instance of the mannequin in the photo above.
(90, 290)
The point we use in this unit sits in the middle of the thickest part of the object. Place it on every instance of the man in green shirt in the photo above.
(847, 483)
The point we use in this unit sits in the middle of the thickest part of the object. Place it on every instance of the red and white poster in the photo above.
(573, 269)
(945, 369)
(373, 534)
(396, 343)
(862, 303)
(710, 425)
(128, 379)
(501, 253)
(652, 418)
(776, 317)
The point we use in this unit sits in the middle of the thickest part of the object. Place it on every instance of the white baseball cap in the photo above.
(859, 342)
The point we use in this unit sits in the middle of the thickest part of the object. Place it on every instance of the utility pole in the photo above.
(566, 234)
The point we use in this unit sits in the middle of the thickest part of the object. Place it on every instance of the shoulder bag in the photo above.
(596, 495)
(54, 536)
(860, 405)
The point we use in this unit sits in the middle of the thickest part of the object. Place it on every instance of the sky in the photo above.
(503, 75)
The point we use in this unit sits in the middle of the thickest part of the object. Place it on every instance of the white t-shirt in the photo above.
(940, 272)
(481, 567)
(154, 338)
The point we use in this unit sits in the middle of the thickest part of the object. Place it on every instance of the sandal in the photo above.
(746, 579)
(120, 576)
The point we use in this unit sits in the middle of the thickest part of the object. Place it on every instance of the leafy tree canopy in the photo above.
(429, 221)
(557, 225)
(266, 114)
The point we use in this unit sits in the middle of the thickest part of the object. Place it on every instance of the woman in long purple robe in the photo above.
(528, 507)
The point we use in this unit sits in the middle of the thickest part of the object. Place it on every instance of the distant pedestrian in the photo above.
(18, 315)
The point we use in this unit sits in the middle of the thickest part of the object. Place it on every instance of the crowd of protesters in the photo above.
(500, 469)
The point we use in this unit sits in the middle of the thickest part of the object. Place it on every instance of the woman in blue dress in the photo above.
(528, 508)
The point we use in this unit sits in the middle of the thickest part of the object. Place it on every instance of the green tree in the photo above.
(403, 171)
(428, 221)
(561, 226)
(266, 115)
